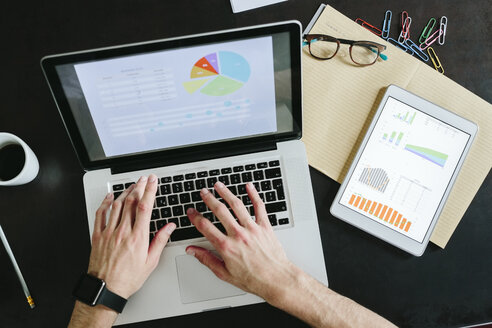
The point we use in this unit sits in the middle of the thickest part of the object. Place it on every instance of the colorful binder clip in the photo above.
(431, 39)
(405, 28)
(400, 45)
(427, 30)
(368, 26)
(419, 53)
(435, 60)
(405, 25)
(386, 24)
(443, 25)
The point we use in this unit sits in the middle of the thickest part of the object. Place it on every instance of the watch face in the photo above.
(88, 289)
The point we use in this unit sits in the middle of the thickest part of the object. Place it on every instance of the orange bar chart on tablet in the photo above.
(380, 211)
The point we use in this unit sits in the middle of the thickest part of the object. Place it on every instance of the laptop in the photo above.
(221, 106)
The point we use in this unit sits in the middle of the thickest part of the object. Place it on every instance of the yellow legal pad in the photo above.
(340, 100)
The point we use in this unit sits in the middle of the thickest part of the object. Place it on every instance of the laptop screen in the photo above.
(181, 96)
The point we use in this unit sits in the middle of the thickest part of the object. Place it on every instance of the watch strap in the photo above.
(111, 300)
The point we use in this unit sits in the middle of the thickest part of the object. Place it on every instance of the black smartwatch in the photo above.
(92, 291)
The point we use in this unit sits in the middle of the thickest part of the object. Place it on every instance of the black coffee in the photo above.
(12, 159)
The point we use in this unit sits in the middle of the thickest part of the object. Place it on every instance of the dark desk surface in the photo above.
(46, 220)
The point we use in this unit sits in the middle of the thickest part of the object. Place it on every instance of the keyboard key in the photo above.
(224, 179)
(273, 219)
(270, 196)
(250, 167)
(262, 196)
(238, 168)
(262, 165)
(241, 189)
(165, 189)
(195, 196)
(184, 221)
(233, 189)
(178, 210)
(246, 200)
(173, 200)
(209, 216)
(173, 220)
(219, 226)
(161, 223)
(257, 186)
(277, 183)
(178, 177)
(247, 177)
(166, 180)
(283, 221)
(185, 198)
(117, 187)
(161, 201)
(251, 210)
(266, 185)
(213, 172)
(226, 170)
(166, 212)
(201, 207)
(155, 214)
(187, 206)
(151, 236)
(273, 163)
(128, 184)
(185, 233)
(272, 173)
(189, 185)
(177, 187)
(280, 194)
(235, 178)
(190, 176)
(200, 183)
(276, 207)
(152, 226)
(258, 175)
(202, 174)
(117, 194)
(211, 182)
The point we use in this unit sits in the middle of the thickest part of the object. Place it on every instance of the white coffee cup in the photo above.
(31, 164)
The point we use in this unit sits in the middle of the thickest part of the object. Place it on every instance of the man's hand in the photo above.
(252, 257)
(120, 248)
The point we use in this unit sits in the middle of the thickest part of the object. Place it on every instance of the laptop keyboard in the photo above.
(177, 193)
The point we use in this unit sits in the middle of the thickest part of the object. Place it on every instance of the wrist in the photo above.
(92, 316)
(285, 284)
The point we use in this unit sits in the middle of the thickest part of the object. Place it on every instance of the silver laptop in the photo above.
(222, 106)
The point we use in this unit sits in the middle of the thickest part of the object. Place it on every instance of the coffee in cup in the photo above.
(18, 164)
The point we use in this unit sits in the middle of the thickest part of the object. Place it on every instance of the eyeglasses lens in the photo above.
(364, 54)
(323, 49)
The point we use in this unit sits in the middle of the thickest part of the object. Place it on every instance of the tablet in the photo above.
(404, 170)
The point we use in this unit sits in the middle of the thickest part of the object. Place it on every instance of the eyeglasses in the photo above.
(362, 53)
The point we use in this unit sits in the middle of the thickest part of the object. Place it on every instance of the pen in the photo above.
(16, 267)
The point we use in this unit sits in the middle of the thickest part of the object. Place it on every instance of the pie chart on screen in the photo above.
(218, 74)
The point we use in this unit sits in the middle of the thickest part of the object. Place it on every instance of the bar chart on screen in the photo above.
(381, 211)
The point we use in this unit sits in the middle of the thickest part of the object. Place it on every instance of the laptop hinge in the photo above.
(188, 157)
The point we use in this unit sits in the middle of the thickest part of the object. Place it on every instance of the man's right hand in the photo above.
(252, 257)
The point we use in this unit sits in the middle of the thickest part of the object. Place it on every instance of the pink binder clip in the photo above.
(431, 39)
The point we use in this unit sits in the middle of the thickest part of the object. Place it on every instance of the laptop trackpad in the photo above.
(198, 283)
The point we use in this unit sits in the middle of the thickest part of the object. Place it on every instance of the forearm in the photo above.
(312, 302)
(86, 316)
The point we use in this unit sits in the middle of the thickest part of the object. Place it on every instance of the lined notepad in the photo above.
(340, 100)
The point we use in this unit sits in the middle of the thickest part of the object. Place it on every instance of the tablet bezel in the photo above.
(375, 228)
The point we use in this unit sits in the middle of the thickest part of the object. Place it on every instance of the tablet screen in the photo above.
(404, 169)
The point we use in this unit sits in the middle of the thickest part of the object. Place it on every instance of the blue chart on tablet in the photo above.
(404, 169)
